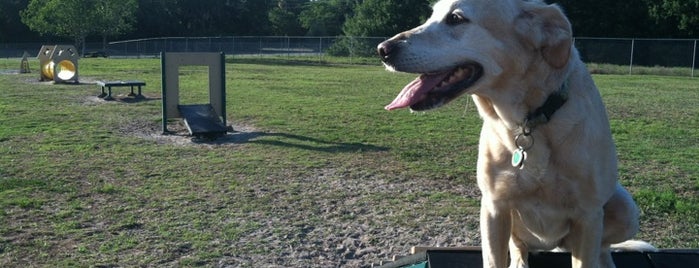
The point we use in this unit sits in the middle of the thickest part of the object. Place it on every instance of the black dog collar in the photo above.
(540, 116)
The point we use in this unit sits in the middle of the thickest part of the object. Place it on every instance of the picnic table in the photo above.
(109, 84)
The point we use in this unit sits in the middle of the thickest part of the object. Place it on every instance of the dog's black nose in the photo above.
(384, 49)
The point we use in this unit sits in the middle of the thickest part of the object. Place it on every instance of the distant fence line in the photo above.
(618, 51)
(251, 45)
(639, 52)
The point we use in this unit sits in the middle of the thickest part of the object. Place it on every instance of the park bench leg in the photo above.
(139, 92)
(103, 94)
(109, 95)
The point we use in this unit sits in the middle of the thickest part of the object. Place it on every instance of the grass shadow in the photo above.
(292, 141)
(137, 99)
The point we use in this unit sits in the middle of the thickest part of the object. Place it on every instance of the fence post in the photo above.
(351, 40)
(633, 41)
(320, 49)
(694, 57)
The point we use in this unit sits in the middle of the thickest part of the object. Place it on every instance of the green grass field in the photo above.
(84, 182)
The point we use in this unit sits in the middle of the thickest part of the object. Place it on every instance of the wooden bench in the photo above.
(109, 84)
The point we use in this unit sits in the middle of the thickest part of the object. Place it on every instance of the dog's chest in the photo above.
(541, 224)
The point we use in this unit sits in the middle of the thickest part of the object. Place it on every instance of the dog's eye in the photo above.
(454, 19)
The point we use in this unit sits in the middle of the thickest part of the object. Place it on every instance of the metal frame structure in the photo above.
(170, 63)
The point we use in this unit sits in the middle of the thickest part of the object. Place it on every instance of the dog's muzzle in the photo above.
(432, 89)
(386, 48)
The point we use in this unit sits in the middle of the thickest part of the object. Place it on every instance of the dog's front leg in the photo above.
(496, 224)
(586, 239)
(519, 253)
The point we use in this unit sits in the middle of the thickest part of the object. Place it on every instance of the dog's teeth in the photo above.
(459, 72)
(466, 72)
(455, 76)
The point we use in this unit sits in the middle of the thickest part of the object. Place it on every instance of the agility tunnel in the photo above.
(58, 63)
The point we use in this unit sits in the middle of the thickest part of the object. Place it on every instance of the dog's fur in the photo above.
(514, 54)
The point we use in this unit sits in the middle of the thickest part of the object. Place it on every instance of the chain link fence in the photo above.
(633, 53)
(640, 52)
(251, 46)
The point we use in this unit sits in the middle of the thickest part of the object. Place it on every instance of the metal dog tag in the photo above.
(518, 157)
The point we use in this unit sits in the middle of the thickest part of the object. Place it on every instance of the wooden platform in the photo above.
(471, 258)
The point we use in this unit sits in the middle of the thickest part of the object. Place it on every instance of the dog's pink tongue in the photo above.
(416, 91)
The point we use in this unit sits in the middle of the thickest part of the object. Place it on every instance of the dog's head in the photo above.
(468, 45)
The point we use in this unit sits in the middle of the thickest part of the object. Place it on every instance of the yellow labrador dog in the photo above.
(547, 166)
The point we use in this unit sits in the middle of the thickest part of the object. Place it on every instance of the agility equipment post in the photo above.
(24, 64)
(201, 119)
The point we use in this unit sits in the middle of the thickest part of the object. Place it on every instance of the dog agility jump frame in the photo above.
(200, 119)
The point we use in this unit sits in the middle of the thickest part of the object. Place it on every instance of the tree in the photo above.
(684, 12)
(379, 18)
(112, 21)
(202, 18)
(594, 18)
(284, 18)
(386, 17)
(250, 18)
(75, 18)
(69, 18)
(326, 17)
(11, 27)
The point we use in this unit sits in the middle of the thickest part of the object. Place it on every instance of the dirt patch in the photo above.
(345, 217)
(355, 226)
(179, 135)
(341, 217)
(9, 72)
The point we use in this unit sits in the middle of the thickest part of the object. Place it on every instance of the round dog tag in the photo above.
(518, 157)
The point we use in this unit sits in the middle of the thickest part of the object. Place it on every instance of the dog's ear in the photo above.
(547, 30)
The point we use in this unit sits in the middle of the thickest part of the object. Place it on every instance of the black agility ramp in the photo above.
(202, 120)
(456, 258)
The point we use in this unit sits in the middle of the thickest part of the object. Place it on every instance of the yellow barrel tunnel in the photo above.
(59, 63)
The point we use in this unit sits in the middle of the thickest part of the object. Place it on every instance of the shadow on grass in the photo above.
(291, 141)
(136, 99)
